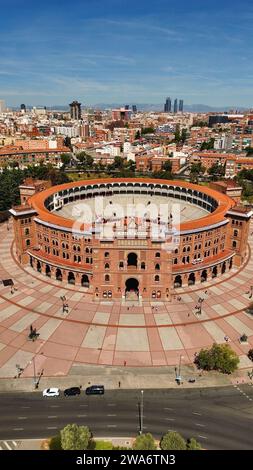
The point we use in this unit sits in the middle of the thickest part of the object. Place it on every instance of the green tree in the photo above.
(137, 135)
(184, 135)
(65, 158)
(196, 170)
(177, 135)
(144, 442)
(172, 441)
(216, 171)
(167, 166)
(192, 444)
(74, 437)
(148, 130)
(208, 145)
(219, 357)
(86, 160)
(67, 143)
(249, 151)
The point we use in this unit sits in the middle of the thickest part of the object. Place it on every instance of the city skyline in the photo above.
(125, 53)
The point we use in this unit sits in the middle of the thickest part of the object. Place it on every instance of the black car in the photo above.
(72, 391)
(95, 390)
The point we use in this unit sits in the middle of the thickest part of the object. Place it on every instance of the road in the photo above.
(219, 418)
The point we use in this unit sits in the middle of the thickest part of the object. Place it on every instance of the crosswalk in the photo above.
(9, 445)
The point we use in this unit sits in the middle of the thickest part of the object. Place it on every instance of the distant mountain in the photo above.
(192, 108)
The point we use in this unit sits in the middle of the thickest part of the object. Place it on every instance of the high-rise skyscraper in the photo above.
(127, 106)
(181, 105)
(175, 106)
(134, 108)
(23, 107)
(167, 106)
(2, 106)
(75, 110)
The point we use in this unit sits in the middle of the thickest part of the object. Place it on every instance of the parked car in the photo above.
(72, 391)
(95, 390)
(51, 392)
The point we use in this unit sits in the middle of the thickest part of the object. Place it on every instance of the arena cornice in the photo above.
(215, 218)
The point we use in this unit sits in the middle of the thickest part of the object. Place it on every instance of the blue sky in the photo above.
(126, 51)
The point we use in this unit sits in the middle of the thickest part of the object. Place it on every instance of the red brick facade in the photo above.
(198, 249)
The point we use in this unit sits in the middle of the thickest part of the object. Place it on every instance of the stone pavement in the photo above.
(108, 333)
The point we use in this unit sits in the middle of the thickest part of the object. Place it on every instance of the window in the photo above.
(28, 243)
(234, 244)
(157, 278)
(121, 264)
(157, 255)
(107, 266)
(27, 231)
(107, 254)
(235, 233)
(107, 278)
(143, 266)
(157, 267)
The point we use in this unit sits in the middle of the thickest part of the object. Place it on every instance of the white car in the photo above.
(51, 392)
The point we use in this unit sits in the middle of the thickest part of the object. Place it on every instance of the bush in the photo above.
(244, 338)
(220, 357)
(144, 442)
(250, 354)
(192, 444)
(172, 441)
(55, 443)
(74, 437)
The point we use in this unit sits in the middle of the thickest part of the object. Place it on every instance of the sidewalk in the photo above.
(127, 378)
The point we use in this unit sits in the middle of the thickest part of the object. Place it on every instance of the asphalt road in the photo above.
(219, 418)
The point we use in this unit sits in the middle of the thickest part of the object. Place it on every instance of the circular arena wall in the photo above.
(192, 251)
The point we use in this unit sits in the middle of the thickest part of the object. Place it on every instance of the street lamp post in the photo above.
(141, 410)
(178, 377)
(34, 373)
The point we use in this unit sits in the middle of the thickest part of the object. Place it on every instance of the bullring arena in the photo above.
(131, 280)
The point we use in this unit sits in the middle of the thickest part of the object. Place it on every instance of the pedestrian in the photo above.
(119, 383)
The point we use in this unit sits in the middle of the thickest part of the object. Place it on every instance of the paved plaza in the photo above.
(110, 333)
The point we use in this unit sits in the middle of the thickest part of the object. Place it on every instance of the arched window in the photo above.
(175, 261)
(28, 243)
(87, 250)
(107, 266)
(107, 278)
(157, 255)
(157, 278)
(235, 233)
(27, 231)
(107, 254)
(121, 264)
(234, 244)
(157, 267)
(143, 266)
(132, 259)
